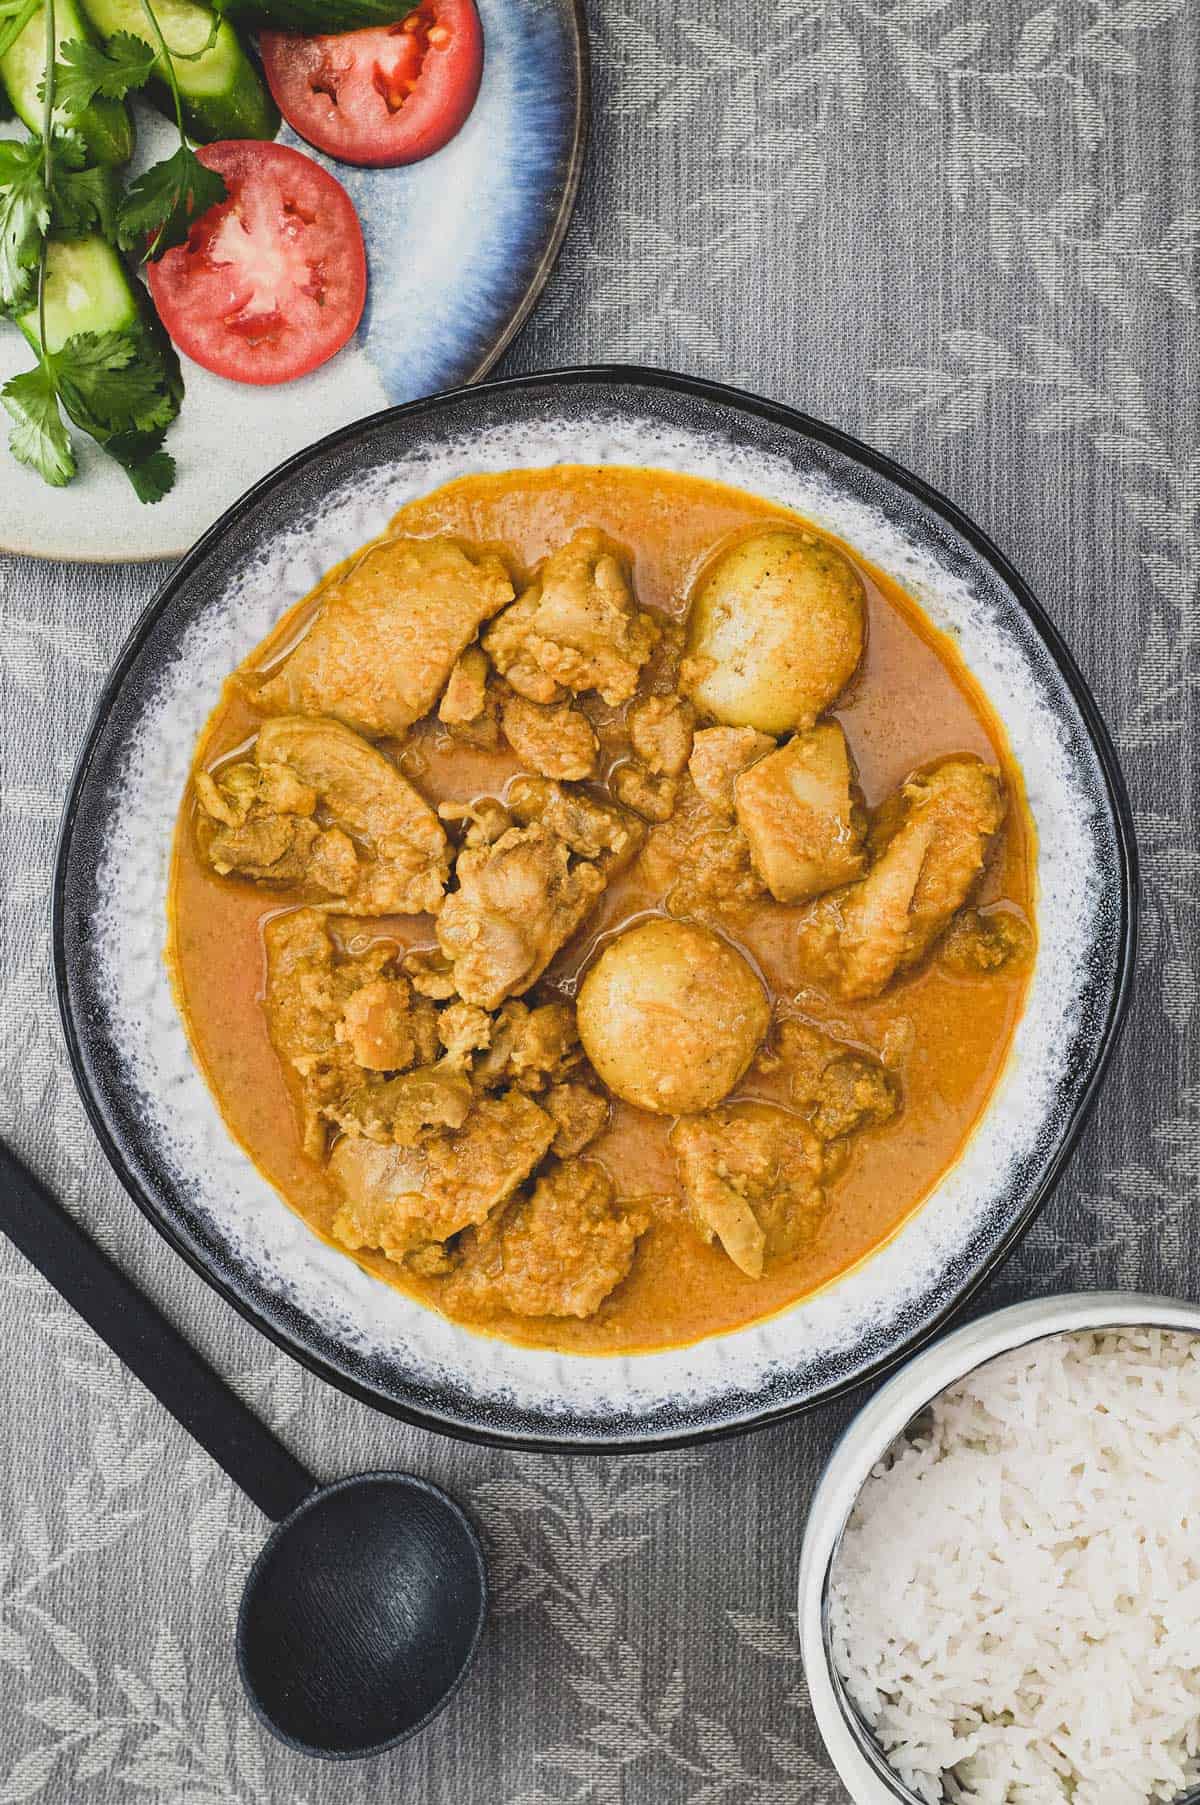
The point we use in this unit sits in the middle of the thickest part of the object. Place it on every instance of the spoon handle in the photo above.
(142, 1337)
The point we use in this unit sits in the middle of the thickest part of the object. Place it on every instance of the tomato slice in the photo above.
(389, 94)
(272, 280)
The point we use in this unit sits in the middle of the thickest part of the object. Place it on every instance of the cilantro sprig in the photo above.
(37, 199)
(121, 387)
(158, 210)
(24, 220)
(160, 206)
(88, 71)
(111, 392)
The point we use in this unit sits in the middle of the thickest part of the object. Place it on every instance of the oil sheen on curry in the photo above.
(602, 909)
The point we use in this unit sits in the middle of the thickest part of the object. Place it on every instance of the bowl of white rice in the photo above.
(1000, 1577)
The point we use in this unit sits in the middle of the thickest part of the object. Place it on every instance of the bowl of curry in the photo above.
(593, 908)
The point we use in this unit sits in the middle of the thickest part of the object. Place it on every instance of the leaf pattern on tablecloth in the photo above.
(142, 1729)
(972, 234)
(1158, 487)
(557, 1529)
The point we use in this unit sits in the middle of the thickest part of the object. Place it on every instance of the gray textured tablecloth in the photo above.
(969, 233)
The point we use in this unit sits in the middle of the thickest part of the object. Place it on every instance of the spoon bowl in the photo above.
(361, 1615)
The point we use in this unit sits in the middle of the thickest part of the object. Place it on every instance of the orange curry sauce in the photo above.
(912, 700)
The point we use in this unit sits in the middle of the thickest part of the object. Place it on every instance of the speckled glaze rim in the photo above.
(539, 394)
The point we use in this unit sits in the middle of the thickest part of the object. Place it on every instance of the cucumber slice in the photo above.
(105, 127)
(312, 17)
(87, 290)
(223, 96)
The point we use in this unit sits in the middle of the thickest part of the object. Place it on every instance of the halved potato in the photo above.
(775, 633)
(670, 1016)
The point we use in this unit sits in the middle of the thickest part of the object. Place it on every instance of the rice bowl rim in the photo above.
(860, 1762)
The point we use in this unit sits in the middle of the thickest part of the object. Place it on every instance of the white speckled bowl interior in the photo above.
(155, 1113)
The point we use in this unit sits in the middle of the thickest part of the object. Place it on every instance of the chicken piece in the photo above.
(248, 789)
(579, 1114)
(470, 706)
(554, 738)
(838, 1088)
(593, 830)
(709, 870)
(670, 1016)
(464, 1031)
(397, 861)
(473, 1172)
(559, 1251)
(801, 814)
(308, 989)
(430, 973)
(405, 1199)
(699, 863)
(530, 1048)
(660, 732)
(719, 756)
(855, 1094)
(408, 864)
(649, 795)
(400, 1110)
(383, 1029)
(256, 822)
(387, 634)
(929, 843)
(485, 819)
(288, 850)
(516, 904)
(576, 627)
(985, 940)
(752, 1178)
(384, 1195)
(465, 696)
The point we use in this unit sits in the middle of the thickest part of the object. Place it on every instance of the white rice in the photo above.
(1015, 1605)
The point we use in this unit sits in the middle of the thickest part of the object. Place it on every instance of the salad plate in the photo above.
(458, 247)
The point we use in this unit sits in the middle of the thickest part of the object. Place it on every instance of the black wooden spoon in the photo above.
(363, 1612)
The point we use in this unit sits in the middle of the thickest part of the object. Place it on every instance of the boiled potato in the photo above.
(776, 631)
(670, 1016)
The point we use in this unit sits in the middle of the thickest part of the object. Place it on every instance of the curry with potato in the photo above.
(603, 907)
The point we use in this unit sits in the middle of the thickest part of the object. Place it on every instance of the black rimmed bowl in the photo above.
(155, 1115)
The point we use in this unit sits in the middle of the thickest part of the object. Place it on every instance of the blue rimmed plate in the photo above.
(458, 248)
(152, 1108)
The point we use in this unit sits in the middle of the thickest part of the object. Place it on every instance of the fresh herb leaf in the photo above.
(24, 218)
(149, 468)
(86, 200)
(164, 201)
(38, 437)
(109, 385)
(27, 208)
(86, 70)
